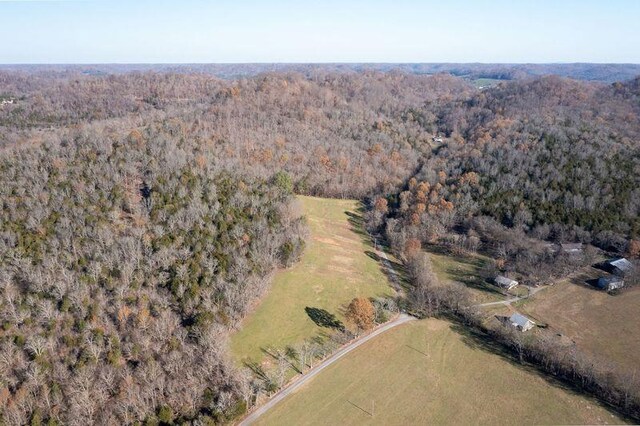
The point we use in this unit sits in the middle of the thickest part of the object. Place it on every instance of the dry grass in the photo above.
(607, 326)
(426, 373)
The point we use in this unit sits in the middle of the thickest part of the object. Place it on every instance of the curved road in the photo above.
(282, 394)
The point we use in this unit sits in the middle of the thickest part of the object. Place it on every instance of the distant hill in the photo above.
(607, 73)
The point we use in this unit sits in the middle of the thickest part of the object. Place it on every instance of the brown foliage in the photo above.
(634, 248)
(361, 313)
(381, 205)
(412, 247)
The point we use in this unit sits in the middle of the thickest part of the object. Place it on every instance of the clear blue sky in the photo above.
(142, 31)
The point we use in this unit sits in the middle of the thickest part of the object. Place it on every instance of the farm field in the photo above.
(425, 372)
(605, 325)
(334, 269)
(486, 82)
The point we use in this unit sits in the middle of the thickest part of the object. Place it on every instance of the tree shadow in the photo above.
(394, 271)
(478, 340)
(324, 318)
(256, 369)
(357, 225)
(287, 355)
(469, 272)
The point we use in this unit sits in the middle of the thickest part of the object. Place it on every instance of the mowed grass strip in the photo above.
(607, 326)
(424, 373)
(333, 270)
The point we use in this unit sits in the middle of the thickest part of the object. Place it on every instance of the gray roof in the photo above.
(519, 320)
(621, 263)
(571, 246)
(504, 281)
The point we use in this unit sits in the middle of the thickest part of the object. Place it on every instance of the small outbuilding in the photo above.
(504, 282)
(573, 248)
(521, 322)
(619, 266)
(610, 283)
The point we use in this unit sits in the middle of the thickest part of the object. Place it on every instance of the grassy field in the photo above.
(486, 82)
(426, 373)
(466, 270)
(605, 325)
(335, 268)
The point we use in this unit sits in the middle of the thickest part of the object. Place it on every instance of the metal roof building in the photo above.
(521, 322)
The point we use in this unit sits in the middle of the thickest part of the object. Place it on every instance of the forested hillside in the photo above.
(555, 157)
(123, 263)
(143, 213)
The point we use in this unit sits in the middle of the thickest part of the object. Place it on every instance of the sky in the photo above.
(241, 31)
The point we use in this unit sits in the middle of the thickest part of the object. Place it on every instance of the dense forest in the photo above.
(607, 73)
(555, 157)
(143, 213)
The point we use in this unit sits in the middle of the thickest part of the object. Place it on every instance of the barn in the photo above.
(521, 322)
(504, 282)
(619, 266)
(610, 283)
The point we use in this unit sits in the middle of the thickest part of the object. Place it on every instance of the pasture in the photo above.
(338, 264)
(425, 372)
(607, 326)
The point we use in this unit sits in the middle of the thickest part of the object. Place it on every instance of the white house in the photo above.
(504, 282)
(521, 322)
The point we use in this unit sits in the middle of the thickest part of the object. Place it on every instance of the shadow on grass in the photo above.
(478, 340)
(256, 369)
(591, 284)
(288, 355)
(394, 271)
(418, 350)
(360, 408)
(357, 224)
(468, 271)
(324, 318)
(586, 281)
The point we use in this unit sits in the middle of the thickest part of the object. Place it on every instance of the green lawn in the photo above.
(426, 373)
(333, 270)
(466, 270)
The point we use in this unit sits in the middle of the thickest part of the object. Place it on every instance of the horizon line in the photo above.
(316, 63)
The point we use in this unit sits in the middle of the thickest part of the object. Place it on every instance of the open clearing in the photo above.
(607, 326)
(466, 270)
(424, 372)
(337, 265)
